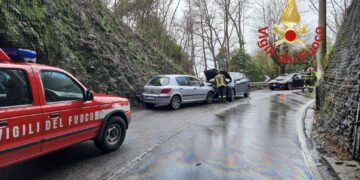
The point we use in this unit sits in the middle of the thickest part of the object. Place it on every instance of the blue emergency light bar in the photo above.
(16, 54)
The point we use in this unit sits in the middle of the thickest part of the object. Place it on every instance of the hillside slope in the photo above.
(83, 38)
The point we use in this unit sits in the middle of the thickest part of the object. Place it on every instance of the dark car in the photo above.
(287, 81)
(240, 85)
(237, 83)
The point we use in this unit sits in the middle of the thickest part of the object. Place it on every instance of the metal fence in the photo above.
(259, 85)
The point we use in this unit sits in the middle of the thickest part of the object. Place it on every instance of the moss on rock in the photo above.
(84, 38)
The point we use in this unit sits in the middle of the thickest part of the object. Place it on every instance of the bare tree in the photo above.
(269, 13)
(225, 7)
(188, 37)
(203, 41)
(237, 19)
(336, 12)
(209, 33)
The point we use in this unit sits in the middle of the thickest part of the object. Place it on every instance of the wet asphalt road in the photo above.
(255, 139)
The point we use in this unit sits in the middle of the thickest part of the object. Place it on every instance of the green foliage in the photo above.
(106, 24)
(261, 65)
(32, 9)
(84, 38)
(239, 61)
(221, 54)
(151, 28)
(131, 45)
(255, 67)
(174, 51)
(325, 60)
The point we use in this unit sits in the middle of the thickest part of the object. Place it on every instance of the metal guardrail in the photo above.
(259, 85)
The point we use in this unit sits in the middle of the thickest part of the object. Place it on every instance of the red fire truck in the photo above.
(44, 109)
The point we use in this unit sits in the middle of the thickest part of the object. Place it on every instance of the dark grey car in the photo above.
(237, 83)
(240, 85)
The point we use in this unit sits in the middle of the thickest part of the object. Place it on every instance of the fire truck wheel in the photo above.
(113, 135)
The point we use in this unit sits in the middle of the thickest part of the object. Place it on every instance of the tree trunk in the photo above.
(285, 50)
(227, 11)
(203, 42)
(282, 68)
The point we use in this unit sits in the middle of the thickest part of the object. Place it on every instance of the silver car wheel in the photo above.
(210, 98)
(176, 102)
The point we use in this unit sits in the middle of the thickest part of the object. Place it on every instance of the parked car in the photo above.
(287, 81)
(44, 109)
(240, 85)
(175, 90)
(237, 83)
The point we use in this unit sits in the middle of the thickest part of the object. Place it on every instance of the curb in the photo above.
(342, 169)
(331, 168)
(305, 142)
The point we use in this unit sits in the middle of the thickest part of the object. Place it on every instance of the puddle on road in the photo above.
(252, 141)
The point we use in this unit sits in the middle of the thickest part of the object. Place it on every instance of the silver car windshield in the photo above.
(159, 81)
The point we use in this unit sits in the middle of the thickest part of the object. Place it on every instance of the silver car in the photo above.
(175, 90)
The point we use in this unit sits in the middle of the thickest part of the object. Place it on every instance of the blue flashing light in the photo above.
(20, 54)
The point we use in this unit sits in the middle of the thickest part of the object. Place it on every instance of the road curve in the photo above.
(254, 134)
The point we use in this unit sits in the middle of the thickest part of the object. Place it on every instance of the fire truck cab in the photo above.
(44, 109)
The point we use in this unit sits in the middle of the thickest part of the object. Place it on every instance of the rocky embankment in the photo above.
(84, 38)
(340, 88)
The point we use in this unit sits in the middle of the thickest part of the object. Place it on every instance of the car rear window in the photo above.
(159, 81)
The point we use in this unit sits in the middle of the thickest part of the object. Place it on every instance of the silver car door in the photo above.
(185, 89)
(204, 90)
(200, 91)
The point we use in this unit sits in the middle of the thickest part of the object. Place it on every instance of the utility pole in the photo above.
(322, 52)
(322, 23)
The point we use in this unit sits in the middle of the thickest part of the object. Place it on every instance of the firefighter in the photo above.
(306, 78)
(310, 79)
(221, 87)
(313, 75)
